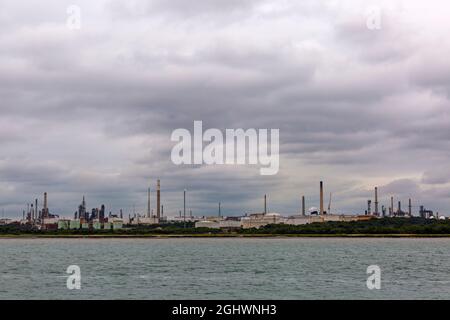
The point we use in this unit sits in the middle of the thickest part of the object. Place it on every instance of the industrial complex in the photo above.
(97, 219)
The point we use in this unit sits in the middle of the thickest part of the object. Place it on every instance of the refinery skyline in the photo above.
(376, 205)
(90, 111)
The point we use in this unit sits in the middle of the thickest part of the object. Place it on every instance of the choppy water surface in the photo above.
(296, 268)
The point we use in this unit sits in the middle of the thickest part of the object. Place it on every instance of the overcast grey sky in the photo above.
(90, 111)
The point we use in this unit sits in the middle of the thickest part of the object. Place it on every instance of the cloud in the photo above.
(90, 112)
(436, 176)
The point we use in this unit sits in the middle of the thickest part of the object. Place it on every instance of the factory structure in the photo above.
(42, 219)
(97, 219)
(257, 220)
(94, 219)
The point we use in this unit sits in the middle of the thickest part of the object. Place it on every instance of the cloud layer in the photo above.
(90, 111)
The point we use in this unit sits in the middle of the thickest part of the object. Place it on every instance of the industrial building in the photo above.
(76, 224)
(259, 220)
(96, 218)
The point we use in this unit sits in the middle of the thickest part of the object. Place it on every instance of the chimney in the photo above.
(376, 202)
(265, 204)
(158, 199)
(303, 205)
(409, 208)
(399, 207)
(45, 210)
(184, 205)
(392, 205)
(36, 209)
(148, 203)
(321, 198)
(369, 209)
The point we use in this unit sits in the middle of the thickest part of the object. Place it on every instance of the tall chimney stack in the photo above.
(184, 205)
(265, 204)
(303, 205)
(321, 197)
(148, 204)
(45, 209)
(376, 201)
(36, 209)
(392, 205)
(399, 207)
(45, 201)
(158, 199)
(409, 207)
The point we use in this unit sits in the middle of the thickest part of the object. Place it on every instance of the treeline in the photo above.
(167, 228)
(374, 226)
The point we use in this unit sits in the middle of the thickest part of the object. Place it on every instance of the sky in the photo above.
(359, 93)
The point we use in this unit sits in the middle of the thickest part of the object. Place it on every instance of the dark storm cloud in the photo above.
(91, 111)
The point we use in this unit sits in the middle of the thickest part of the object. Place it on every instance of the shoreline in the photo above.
(254, 236)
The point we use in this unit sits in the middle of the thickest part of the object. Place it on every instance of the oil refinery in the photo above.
(97, 219)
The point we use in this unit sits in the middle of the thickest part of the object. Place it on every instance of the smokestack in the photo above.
(265, 204)
(369, 210)
(36, 208)
(399, 207)
(32, 212)
(409, 208)
(148, 204)
(376, 201)
(303, 205)
(184, 205)
(158, 199)
(45, 209)
(321, 198)
(162, 211)
(392, 205)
